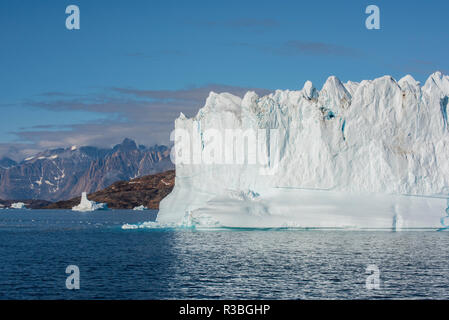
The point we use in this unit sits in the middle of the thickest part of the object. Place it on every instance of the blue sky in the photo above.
(134, 65)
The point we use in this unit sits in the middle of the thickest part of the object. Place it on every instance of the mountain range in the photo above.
(65, 173)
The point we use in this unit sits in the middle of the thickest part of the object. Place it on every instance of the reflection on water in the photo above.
(234, 264)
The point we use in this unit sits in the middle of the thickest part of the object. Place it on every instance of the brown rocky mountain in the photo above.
(147, 191)
(60, 174)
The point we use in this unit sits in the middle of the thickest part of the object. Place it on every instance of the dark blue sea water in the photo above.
(37, 246)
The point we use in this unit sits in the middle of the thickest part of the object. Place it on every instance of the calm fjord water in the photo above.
(37, 246)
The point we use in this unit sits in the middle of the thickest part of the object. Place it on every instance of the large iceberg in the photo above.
(86, 205)
(373, 154)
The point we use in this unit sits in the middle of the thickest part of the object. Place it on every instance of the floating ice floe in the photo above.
(18, 205)
(87, 205)
(140, 208)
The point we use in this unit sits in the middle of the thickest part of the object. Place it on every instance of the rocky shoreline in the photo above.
(147, 191)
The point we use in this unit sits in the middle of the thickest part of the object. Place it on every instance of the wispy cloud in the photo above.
(156, 54)
(252, 22)
(55, 94)
(248, 24)
(295, 47)
(195, 94)
(18, 151)
(144, 115)
(299, 47)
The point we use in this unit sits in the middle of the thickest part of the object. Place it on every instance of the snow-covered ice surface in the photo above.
(373, 154)
(87, 205)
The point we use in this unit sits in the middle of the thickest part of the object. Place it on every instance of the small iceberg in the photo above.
(128, 226)
(87, 205)
(18, 205)
(140, 208)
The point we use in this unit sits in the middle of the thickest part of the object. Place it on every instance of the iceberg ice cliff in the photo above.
(373, 154)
